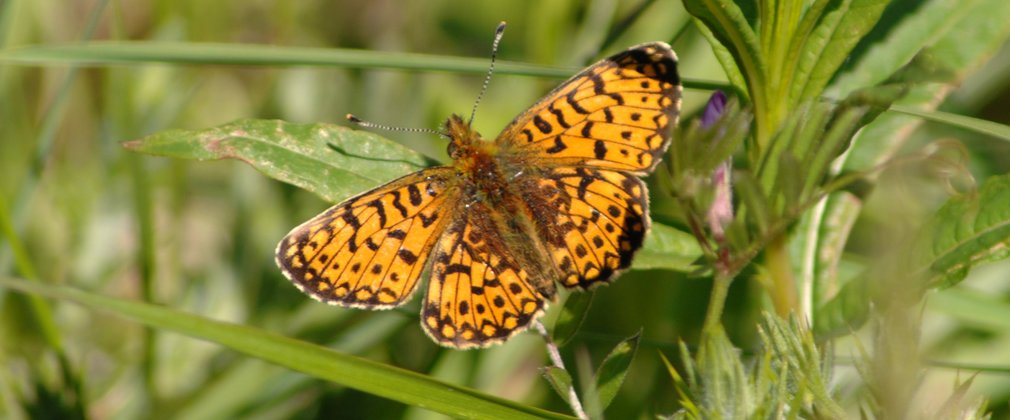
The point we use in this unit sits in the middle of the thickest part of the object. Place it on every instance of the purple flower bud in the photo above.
(720, 213)
(714, 109)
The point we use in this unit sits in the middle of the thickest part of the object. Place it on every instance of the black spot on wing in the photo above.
(558, 146)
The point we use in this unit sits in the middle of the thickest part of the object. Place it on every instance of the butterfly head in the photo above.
(462, 138)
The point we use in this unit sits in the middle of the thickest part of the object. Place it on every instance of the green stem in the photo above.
(717, 300)
(783, 286)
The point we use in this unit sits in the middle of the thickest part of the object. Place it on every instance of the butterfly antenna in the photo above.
(498, 32)
(362, 123)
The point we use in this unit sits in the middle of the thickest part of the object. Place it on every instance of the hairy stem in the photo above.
(555, 355)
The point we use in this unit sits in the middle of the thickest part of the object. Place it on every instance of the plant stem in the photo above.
(717, 300)
(555, 355)
(783, 287)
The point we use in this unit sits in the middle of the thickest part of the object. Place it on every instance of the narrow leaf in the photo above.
(729, 26)
(331, 161)
(969, 33)
(612, 371)
(909, 32)
(560, 381)
(362, 374)
(977, 125)
(725, 58)
(973, 308)
(141, 52)
(119, 52)
(571, 317)
(836, 33)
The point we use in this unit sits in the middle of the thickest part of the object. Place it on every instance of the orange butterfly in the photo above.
(555, 197)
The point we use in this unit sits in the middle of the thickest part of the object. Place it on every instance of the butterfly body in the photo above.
(554, 198)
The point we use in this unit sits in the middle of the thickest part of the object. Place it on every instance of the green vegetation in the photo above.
(859, 269)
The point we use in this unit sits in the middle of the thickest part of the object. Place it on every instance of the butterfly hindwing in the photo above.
(479, 293)
(590, 220)
(369, 251)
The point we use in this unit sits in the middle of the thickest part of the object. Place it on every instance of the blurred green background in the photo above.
(199, 236)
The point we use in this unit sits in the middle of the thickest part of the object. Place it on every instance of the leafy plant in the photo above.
(827, 217)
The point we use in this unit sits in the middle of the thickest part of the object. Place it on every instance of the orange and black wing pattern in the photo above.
(590, 220)
(369, 251)
(479, 292)
(616, 114)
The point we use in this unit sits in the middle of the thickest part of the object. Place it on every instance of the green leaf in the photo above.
(846, 311)
(612, 371)
(688, 406)
(729, 26)
(980, 310)
(977, 125)
(725, 58)
(120, 52)
(351, 371)
(335, 163)
(840, 25)
(560, 381)
(667, 248)
(571, 317)
(968, 230)
(967, 26)
(962, 35)
(140, 52)
(331, 161)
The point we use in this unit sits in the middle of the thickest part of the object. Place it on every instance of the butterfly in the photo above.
(555, 198)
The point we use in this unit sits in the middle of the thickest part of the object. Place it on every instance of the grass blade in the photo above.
(348, 370)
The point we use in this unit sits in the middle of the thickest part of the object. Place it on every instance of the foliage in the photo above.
(821, 247)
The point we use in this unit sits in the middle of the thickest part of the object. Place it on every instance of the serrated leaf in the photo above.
(968, 230)
(571, 317)
(331, 161)
(610, 375)
(355, 372)
(560, 380)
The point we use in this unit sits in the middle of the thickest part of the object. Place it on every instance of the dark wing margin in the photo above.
(370, 250)
(615, 114)
(479, 294)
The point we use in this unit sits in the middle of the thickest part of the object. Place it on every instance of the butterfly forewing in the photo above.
(616, 114)
(369, 251)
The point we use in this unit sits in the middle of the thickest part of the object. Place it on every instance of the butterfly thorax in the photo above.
(475, 160)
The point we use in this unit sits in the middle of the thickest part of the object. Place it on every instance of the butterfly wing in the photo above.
(369, 251)
(590, 220)
(615, 114)
(483, 286)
